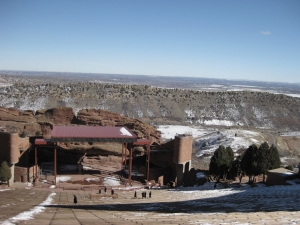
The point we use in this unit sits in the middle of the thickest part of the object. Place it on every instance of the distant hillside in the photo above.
(155, 105)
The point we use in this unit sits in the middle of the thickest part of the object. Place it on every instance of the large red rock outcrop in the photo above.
(100, 117)
(42, 121)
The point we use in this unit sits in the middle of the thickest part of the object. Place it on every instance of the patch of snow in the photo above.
(294, 95)
(150, 113)
(111, 181)
(216, 122)
(28, 184)
(200, 175)
(125, 132)
(87, 168)
(170, 131)
(189, 112)
(62, 178)
(28, 215)
(92, 179)
(140, 112)
(294, 133)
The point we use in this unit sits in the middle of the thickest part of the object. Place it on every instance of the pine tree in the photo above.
(221, 162)
(250, 162)
(5, 173)
(258, 161)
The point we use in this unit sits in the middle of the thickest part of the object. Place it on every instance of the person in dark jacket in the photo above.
(75, 199)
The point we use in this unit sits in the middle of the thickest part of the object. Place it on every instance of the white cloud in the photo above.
(265, 32)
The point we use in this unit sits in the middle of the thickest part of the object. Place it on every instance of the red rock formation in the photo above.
(43, 120)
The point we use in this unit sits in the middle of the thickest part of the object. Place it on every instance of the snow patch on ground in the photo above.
(216, 122)
(92, 179)
(111, 181)
(295, 133)
(28, 215)
(62, 178)
(169, 132)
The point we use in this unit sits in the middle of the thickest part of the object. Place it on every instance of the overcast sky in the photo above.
(243, 39)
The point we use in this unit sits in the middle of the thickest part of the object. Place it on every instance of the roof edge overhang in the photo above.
(121, 140)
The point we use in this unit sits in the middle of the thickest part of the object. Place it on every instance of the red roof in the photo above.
(92, 134)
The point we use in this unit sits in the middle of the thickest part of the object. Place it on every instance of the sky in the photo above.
(242, 39)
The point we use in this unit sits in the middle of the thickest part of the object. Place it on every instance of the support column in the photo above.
(122, 163)
(55, 173)
(148, 162)
(36, 166)
(130, 166)
(126, 147)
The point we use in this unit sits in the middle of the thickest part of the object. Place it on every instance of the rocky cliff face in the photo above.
(28, 123)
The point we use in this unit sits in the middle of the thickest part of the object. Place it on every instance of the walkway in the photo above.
(269, 205)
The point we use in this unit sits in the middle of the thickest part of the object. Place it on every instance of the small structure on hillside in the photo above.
(279, 176)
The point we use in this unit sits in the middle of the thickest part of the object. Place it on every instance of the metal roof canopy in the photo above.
(92, 134)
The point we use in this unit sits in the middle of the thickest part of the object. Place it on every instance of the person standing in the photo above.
(75, 199)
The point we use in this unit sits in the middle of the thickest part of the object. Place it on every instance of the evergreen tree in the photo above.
(263, 159)
(236, 169)
(250, 162)
(5, 173)
(221, 162)
(258, 161)
(274, 158)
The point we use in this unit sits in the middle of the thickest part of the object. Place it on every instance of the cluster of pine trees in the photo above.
(253, 162)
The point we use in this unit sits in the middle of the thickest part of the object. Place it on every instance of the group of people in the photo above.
(144, 194)
(105, 189)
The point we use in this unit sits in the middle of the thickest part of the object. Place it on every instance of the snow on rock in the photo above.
(28, 215)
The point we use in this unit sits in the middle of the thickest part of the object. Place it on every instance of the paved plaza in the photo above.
(267, 205)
